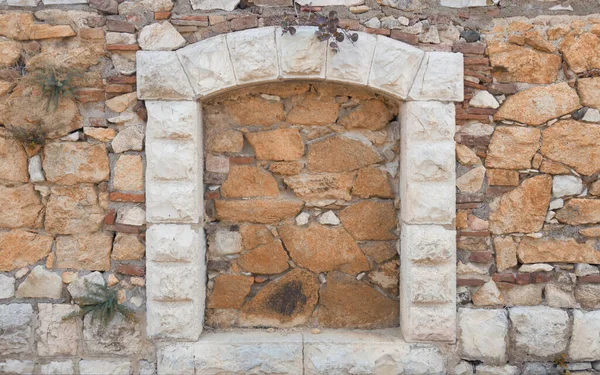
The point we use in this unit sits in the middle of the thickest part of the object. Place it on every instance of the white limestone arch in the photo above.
(173, 83)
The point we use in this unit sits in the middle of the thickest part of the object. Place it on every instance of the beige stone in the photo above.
(588, 295)
(471, 181)
(254, 235)
(589, 91)
(379, 251)
(590, 232)
(229, 291)
(506, 253)
(340, 154)
(594, 188)
(10, 53)
(5, 87)
(512, 147)
(265, 259)
(100, 134)
(321, 186)
(20, 206)
(348, 303)
(312, 110)
(286, 168)
(537, 41)
(122, 102)
(466, 156)
(502, 177)
(548, 250)
(488, 295)
(580, 211)
(537, 105)
(255, 111)
(322, 248)
(20, 248)
(128, 173)
(21, 26)
(371, 114)
(286, 302)
(372, 182)
(128, 247)
(73, 210)
(261, 211)
(40, 283)
(226, 140)
(552, 167)
(84, 252)
(513, 63)
(370, 220)
(280, 144)
(72, 53)
(523, 209)
(13, 160)
(70, 163)
(55, 335)
(246, 181)
(581, 152)
(387, 277)
(581, 52)
(521, 295)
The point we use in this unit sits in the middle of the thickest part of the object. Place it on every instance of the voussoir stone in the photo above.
(71, 163)
(280, 144)
(561, 250)
(262, 211)
(322, 248)
(73, 210)
(537, 105)
(245, 181)
(581, 152)
(580, 211)
(512, 147)
(369, 220)
(301, 54)
(523, 209)
(161, 76)
(372, 114)
(348, 303)
(253, 54)
(20, 248)
(321, 186)
(160, 37)
(440, 78)
(514, 63)
(286, 302)
(340, 154)
(20, 206)
(229, 291)
(85, 252)
(483, 335)
(266, 259)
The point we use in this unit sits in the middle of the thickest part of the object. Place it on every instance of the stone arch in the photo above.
(173, 84)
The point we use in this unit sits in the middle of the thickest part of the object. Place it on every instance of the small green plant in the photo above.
(102, 302)
(54, 84)
(30, 137)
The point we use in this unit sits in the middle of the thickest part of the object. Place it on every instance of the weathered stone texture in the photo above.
(280, 144)
(15, 329)
(514, 63)
(567, 250)
(257, 211)
(340, 154)
(19, 248)
(249, 181)
(73, 210)
(72, 163)
(581, 151)
(229, 291)
(322, 185)
(119, 337)
(512, 147)
(40, 283)
(265, 259)
(55, 335)
(13, 160)
(369, 220)
(20, 207)
(483, 335)
(87, 252)
(372, 182)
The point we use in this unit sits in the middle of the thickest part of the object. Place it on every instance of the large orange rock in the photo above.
(254, 235)
(73, 210)
(576, 144)
(589, 91)
(372, 182)
(348, 303)
(20, 248)
(21, 26)
(523, 209)
(72, 53)
(565, 250)
(371, 114)
(580, 211)
(512, 63)
(266, 259)
(379, 251)
(370, 220)
(10, 53)
(84, 252)
(321, 186)
(340, 154)
(280, 144)
(512, 147)
(246, 181)
(261, 211)
(255, 111)
(13, 159)
(537, 105)
(286, 302)
(70, 163)
(229, 291)
(581, 52)
(321, 248)
(20, 207)
(313, 110)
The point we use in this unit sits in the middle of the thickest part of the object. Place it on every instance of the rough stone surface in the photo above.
(119, 337)
(372, 182)
(249, 181)
(73, 210)
(483, 335)
(301, 55)
(127, 247)
(372, 115)
(257, 211)
(86, 252)
(58, 368)
(72, 163)
(7, 287)
(321, 248)
(321, 186)
(581, 51)
(472, 181)
(229, 291)
(265, 259)
(40, 283)
(439, 78)
(20, 206)
(379, 251)
(56, 336)
(581, 152)
(161, 76)
(160, 37)
(340, 154)
(20, 248)
(506, 252)
(566, 185)
(579, 211)
(566, 250)
(523, 209)
(101, 366)
(369, 220)
(13, 159)
(585, 340)
(514, 63)
(512, 147)
(589, 91)
(537, 105)
(280, 144)
(15, 328)
(128, 173)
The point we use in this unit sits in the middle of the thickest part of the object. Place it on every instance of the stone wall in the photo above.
(527, 215)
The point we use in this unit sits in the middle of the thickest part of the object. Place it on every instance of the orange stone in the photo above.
(370, 220)
(280, 144)
(20, 248)
(549, 250)
(261, 211)
(341, 154)
(255, 111)
(313, 110)
(372, 115)
(254, 235)
(580, 211)
(372, 182)
(229, 291)
(502, 177)
(581, 151)
(246, 181)
(266, 259)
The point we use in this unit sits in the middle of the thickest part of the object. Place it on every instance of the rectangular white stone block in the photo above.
(208, 65)
(440, 78)
(301, 55)
(352, 63)
(174, 321)
(254, 55)
(427, 121)
(170, 282)
(101, 366)
(176, 120)
(585, 340)
(428, 203)
(483, 335)
(175, 359)
(171, 243)
(169, 160)
(22, 3)
(428, 323)
(430, 284)
(160, 76)
(395, 65)
(427, 244)
(174, 202)
(428, 161)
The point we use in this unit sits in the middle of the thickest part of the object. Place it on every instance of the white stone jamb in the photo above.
(176, 247)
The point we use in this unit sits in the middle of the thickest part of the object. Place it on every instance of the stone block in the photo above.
(208, 65)
(58, 368)
(226, 243)
(7, 286)
(301, 55)
(175, 320)
(352, 62)
(440, 78)
(427, 121)
(585, 340)
(55, 335)
(497, 370)
(101, 366)
(15, 329)
(427, 162)
(118, 337)
(427, 323)
(427, 244)
(22, 3)
(385, 72)
(428, 203)
(168, 282)
(176, 120)
(64, 2)
(254, 55)
(482, 335)
(174, 243)
(431, 284)
(172, 160)
(173, 202)
(161, 76)
(17, 367)
(40, 283)
(175, 359)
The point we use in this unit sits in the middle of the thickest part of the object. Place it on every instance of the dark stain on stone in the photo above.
(287, 299)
